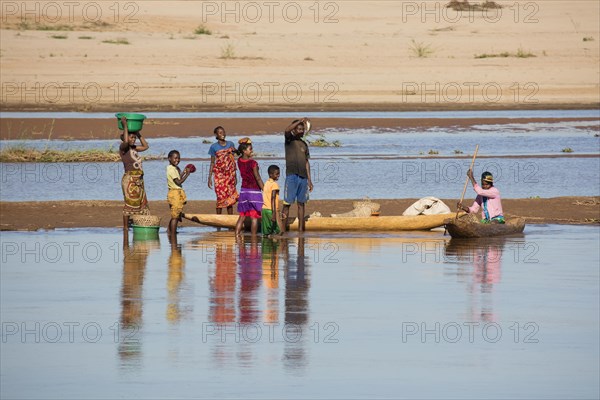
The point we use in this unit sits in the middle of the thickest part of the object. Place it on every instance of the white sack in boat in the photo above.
(427, 206)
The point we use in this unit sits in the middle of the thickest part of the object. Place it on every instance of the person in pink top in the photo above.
(488, 199)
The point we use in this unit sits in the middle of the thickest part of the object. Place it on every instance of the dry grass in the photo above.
(228, 52)
(519, 54)
(22, 154)
(466, 6)
(116, 41)
(320, 141)
(420, 49)
(31, 26)
(202, 30)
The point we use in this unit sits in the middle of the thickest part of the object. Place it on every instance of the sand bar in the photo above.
(105, 214)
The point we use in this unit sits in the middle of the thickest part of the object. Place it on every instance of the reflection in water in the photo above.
(236, 307)
(485, 257)
(372, 295)
(270, 271)
(174, 280)
(222, 284)
(250, 273)
(296, 304)
(222, 287)
(134, 266)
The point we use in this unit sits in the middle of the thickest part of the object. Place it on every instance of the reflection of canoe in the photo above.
(390, 223)
(469, 227)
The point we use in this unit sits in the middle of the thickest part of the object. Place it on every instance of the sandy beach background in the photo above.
(297, 55)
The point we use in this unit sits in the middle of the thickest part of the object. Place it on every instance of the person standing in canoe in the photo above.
(251, 198)
(222, 165)
(297, 171)
(488, 199)
(132, 182)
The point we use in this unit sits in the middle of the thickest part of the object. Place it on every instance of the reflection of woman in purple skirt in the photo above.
(250, 273)
(250, 201)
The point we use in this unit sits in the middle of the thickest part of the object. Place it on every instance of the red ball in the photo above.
(191, 168)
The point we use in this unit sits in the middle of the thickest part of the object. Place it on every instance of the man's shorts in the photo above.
(177, 199)
(296, 190)
(268, 227)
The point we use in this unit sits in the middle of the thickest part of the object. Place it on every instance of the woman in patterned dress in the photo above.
(132, 182)
(222, 166)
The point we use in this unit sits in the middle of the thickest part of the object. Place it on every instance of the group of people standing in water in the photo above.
(256, 199)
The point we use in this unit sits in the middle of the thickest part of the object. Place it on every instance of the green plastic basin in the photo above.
(145, 232)
(134, 121)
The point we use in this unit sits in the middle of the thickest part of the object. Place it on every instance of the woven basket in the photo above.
(146, 220)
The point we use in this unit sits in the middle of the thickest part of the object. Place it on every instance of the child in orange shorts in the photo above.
(176, 196)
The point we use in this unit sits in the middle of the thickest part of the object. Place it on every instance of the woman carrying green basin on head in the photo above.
(132, 183)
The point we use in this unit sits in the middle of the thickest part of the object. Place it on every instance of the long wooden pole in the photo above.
(467, 181)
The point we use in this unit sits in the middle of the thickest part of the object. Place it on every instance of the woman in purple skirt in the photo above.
(251, 200)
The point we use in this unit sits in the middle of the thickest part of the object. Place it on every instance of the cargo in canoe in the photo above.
(387, 223)
(469, 226)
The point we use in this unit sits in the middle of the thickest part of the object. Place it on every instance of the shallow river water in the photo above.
(527, 160)
(407, 315)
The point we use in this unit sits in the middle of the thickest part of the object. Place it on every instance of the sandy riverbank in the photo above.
(80, 214)
(298, 55)
(94, 128)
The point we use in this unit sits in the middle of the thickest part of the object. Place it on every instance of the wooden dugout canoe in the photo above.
(472, 228)
(387, 223)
